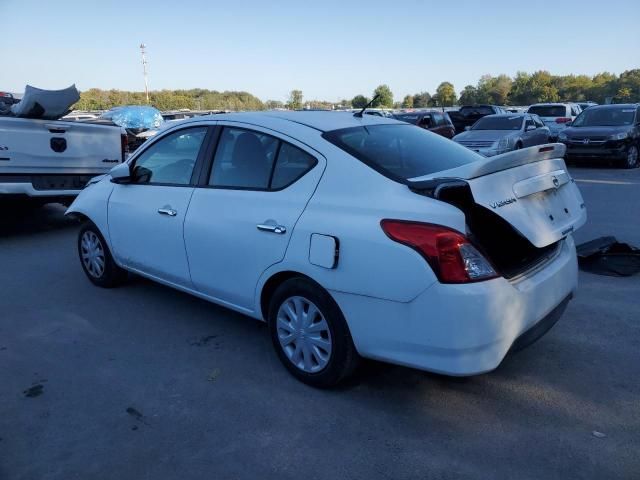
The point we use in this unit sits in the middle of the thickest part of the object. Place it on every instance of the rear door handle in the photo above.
(267, 227)
(167, 211)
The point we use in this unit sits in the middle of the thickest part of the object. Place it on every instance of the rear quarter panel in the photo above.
(349, 203)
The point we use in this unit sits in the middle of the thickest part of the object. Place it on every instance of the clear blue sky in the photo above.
(328, 49)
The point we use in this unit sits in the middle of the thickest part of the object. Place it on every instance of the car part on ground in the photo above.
(607, 256)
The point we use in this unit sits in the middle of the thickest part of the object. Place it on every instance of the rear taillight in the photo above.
(563, 119)
(449, 253)
(124, 144)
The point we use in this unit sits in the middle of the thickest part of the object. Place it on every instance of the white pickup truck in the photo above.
(52, 160)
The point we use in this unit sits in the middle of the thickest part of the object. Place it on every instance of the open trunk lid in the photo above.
(530, 189)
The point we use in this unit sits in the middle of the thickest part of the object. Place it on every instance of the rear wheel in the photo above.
(631, 161)
(310, 334)
(96, 259)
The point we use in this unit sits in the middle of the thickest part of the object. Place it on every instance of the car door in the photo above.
(146, 216)
(529, 134)
(541, 131)
(242, 215)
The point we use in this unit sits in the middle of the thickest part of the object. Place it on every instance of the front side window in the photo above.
(401, 151)
(529, 123)
(243, 159)
(171, 159)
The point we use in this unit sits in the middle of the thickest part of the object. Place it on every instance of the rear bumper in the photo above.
(44, 185)
(462, 329)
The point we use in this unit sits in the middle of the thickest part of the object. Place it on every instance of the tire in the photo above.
(631, 161)
(96, 259)
(320, 353)
(518, 146)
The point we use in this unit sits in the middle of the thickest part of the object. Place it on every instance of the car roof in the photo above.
(323, 121)
(616, 105)
(552, 104)
(510, 115)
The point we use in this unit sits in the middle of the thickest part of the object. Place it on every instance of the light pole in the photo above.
(144, 70)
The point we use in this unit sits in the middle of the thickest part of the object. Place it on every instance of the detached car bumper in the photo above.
(464, 329)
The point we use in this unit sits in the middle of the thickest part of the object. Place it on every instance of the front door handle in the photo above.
(167, 211)
(274, 228)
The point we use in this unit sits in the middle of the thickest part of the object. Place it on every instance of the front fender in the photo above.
(92, 203)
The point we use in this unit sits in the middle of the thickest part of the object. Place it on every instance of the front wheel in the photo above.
(631, 161)
(310, 334)
(96, 259)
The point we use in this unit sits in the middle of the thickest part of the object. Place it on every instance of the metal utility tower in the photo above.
(143, 51)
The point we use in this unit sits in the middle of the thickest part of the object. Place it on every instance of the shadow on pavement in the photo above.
(20, 218)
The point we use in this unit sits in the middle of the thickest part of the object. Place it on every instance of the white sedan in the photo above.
(351, 236)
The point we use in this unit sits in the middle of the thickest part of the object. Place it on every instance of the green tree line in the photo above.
(194, 99)
(523, 89)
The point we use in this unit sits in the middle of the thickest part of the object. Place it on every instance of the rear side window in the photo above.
(401, 152)
(537, 121)
(408, 118)
(292, 164)
(251, 160)
(549, 110)
(426, 121)
(243, 159)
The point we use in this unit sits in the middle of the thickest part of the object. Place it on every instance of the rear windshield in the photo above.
(470, 111)
(605, 117)
(513, 122)
(549, 110)
(401, 152)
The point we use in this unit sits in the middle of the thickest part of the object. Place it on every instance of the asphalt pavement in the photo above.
(144, 382)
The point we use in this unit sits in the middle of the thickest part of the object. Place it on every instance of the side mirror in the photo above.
(120, 173)
(467, 128)
(529, 128)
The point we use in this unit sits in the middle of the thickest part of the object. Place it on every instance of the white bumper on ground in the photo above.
(459, 329)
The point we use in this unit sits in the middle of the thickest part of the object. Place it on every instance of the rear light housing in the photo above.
(563, 119)
(450, 254)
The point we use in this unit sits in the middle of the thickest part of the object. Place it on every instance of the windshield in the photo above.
(470, 111)
(401, 151)
(605, 117)
(513, 122)
(549, 110)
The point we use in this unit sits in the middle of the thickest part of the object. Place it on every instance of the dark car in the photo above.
(436, 122)
(467, 115)
(605, 132)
